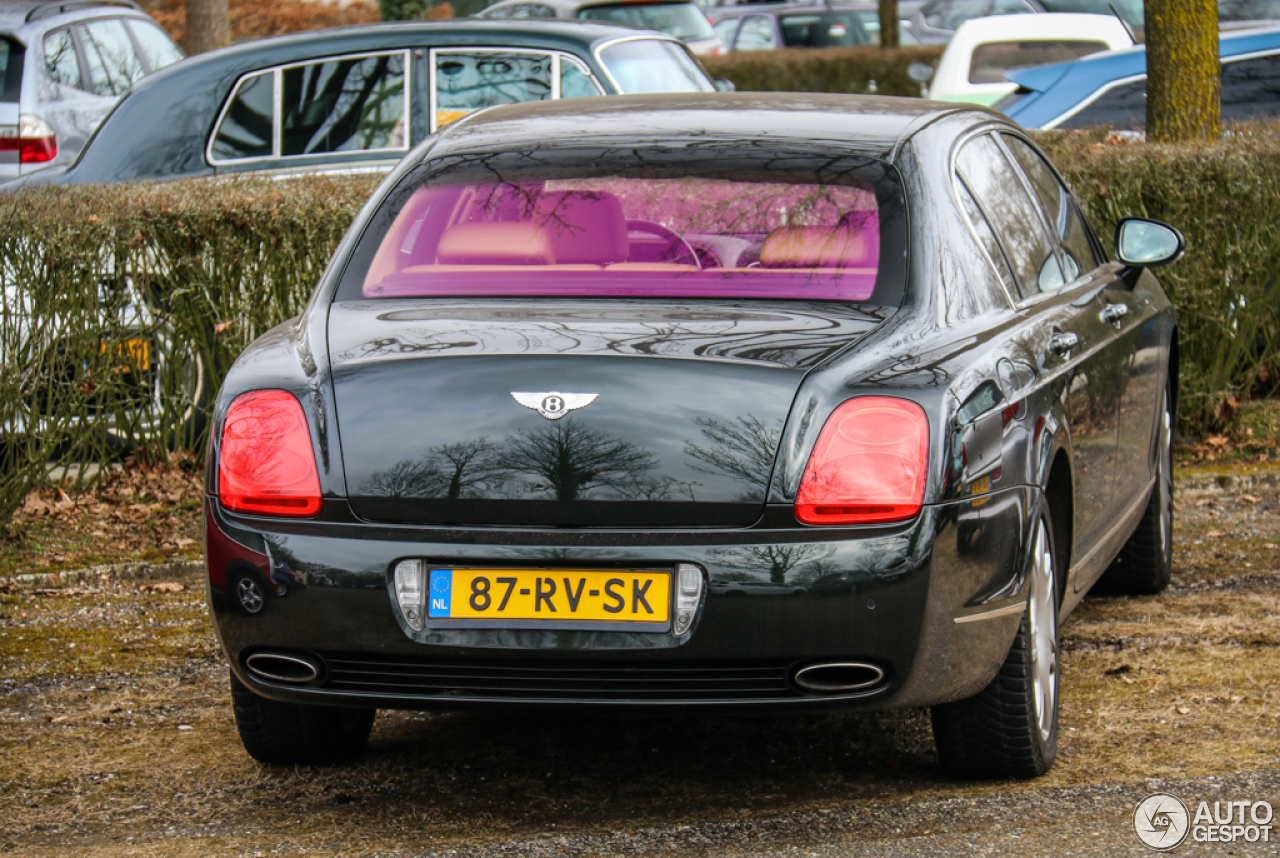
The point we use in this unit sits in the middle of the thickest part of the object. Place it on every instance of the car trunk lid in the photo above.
(585, 413)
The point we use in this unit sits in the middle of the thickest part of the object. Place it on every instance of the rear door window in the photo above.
(345, 105)
(157, 49)
(113, 63)
(990, 61)
(334, 106)
(1078, 248)
(1015, 217)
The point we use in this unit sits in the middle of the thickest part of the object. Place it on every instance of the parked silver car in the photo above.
(63, 66)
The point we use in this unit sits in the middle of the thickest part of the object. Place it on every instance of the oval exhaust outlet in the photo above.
(279, 667)
(838, 677)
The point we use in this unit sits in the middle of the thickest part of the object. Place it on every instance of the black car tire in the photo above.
(298, 733)
(247, 592)
(1145, 563)
(1010, 728)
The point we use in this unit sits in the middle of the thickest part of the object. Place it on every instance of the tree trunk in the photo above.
(888, 23)
(1183, 71)
(208, 26)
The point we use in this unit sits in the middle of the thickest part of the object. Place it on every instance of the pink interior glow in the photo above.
(632, 237)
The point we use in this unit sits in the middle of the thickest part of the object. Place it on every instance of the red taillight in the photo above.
(869, 464)
(32, 138)
(265, 461)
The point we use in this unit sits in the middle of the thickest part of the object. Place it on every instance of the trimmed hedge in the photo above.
(215, 264)
(861, 70)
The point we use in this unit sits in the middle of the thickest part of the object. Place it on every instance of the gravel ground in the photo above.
(116, 739)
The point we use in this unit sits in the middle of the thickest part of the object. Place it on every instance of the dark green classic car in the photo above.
(361, 97)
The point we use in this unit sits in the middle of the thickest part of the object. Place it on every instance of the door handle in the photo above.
(1113, 313)
(1062, 343)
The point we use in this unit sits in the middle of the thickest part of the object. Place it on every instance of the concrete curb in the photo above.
(107, 572)
(1224, 482)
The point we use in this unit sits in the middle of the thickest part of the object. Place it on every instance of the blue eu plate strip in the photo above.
(441, 585)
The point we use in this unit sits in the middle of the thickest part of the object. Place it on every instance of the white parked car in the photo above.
(975, 62)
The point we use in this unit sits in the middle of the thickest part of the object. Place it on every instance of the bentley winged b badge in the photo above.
(553, 405)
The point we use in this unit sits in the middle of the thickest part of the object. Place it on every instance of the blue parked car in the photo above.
(1111, 88)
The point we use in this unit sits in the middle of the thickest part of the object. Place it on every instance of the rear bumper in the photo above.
(934, 604)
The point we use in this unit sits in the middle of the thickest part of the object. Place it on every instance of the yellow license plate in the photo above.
(544, 596)
(136, 353)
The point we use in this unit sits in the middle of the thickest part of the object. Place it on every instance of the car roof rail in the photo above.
(59, 6)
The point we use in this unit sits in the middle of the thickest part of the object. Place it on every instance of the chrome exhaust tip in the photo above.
(838, 677)
(294, 668)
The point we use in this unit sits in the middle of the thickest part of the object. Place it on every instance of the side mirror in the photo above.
(723, 85)
(1144, 243)
(920, 72)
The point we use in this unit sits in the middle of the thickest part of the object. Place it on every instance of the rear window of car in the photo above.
(991, 60)
(825, 30)
(834, 233)
(11, 57)
(685, 21)
(640, 66)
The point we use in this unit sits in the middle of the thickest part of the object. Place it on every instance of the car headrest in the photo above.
(584, 226)
(853, 243)
(496, 243)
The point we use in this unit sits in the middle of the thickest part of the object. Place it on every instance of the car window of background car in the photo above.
(1248, 10)
(1010, 7)
(352, 104)
(1072, 233)
(950, 14)
(1014, 216)
(988, 239)
(157, 49)
(575, 82)
(467, 80)
(641, 66)
(725, 28)
(1123, 106)
(991, 60)
(1130, 10)
(247, 129)
(685, 21)
(757, 34)
(1251, 87)
(60, 58)
(824, 30)
(113, 63)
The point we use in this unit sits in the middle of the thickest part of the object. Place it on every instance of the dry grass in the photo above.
(95, 758)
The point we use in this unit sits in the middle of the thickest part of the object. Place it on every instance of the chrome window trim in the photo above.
(277, 131)
(599, 49)
(954, 165)
(431, 73)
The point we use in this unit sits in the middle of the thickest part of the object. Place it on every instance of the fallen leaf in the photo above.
(1249, 499)
(1116, 671)
(1214, 534)
(1182, 710)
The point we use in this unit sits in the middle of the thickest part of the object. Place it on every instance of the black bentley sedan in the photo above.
(706, 402)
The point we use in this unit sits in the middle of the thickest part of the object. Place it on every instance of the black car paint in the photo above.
(902, 593)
